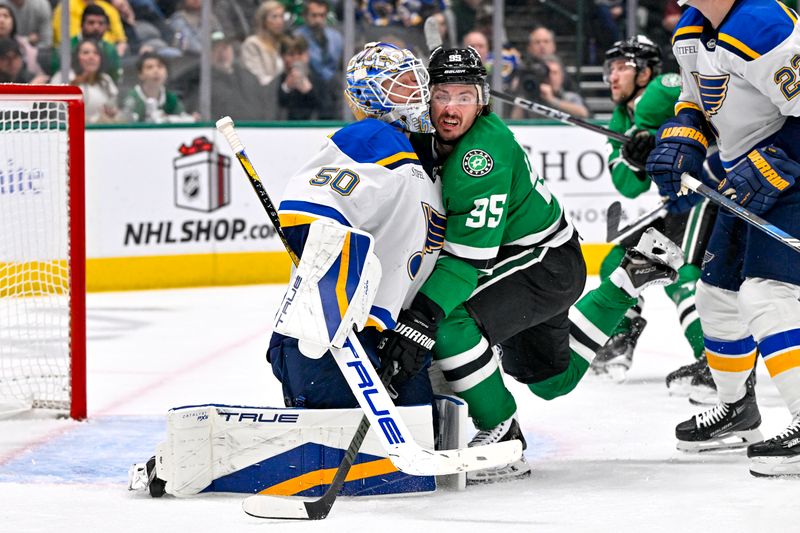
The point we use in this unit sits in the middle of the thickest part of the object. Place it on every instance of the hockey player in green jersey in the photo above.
(510, 270)
(645, 99)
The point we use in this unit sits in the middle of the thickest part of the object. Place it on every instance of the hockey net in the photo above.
(42, 250)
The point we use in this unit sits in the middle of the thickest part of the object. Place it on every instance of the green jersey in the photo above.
(651, 109)
(497, 208)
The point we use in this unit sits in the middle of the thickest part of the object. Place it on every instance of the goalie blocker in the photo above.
(289, 452)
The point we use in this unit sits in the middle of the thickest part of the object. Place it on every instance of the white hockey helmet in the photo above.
(377, 87)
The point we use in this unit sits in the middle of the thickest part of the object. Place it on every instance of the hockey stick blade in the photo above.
(422, 461)
(613, 218)
(284, 507)
(770, 229)
(615, 234)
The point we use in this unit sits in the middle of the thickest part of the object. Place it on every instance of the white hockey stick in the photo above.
(772, 230)
(371, 394)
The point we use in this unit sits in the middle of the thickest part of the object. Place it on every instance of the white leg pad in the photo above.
(217, 448)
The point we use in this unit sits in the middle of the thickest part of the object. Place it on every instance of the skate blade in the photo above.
(732, 441)
(775, 466)
(704, 396)
(679, 390)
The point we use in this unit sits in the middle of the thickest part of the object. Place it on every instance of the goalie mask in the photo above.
(390, 84)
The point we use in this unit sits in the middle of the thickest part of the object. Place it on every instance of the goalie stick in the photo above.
(379, 410)
(690, 182)
(615, 234)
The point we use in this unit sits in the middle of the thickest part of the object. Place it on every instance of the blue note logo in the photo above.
(713, 90)
(436, 223)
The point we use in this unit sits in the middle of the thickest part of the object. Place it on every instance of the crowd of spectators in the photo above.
(272, 60)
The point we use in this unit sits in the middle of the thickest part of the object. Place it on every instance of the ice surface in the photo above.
(604, 457)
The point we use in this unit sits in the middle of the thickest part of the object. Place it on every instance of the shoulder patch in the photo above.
(477, 163)
(671, 80)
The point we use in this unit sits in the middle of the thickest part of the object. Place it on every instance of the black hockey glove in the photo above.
(636, 149)
(407, 345)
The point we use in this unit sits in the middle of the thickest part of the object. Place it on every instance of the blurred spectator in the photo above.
(301, 95)
(324, 50)
(541, 42)
(672, 14)
(8, 30)
(12, 66)
(604, 23)
(150, 101)
(510, 59)
(261, 51)
(34, 20)
(324, 42)
(94, 25)
(479, 42)
(414, 12)
(114, 35)
(99, 90)
(185, 22)
(381, 13)
(552, 90)
(235, 17)
(467, 13)
(235, 91)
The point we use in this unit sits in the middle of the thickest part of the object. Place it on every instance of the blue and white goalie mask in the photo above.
(390, 84)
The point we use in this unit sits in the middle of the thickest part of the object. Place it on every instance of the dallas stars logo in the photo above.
(477, 163)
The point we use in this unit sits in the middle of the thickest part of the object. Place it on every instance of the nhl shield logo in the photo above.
(477, 163)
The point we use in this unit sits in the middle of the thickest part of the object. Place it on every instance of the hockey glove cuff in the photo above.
(760, 177)
(680, 147)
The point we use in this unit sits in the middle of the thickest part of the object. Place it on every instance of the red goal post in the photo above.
(42, 250)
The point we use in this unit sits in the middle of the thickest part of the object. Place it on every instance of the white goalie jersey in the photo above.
(368, 177)
(744, 75)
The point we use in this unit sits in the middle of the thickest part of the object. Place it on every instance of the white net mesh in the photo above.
(34, 255)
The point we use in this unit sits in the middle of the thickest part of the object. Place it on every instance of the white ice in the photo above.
(604, 457)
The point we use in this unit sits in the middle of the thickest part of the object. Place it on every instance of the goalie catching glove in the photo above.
(409, 344)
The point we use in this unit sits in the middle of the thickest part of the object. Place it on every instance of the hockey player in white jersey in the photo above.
(740, 64)
(368, 177)
(364, 198)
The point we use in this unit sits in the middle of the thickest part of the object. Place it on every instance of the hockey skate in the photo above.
(778, 456)
(142, 476)
(655, 260)
(726, 426)
(615, 358)
(693, 380)
(507, 430)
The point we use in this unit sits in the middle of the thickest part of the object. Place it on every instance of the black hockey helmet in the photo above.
(459, 65)
(640, 52)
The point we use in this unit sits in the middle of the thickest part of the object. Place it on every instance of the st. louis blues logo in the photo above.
(713, 90)
(434, 238)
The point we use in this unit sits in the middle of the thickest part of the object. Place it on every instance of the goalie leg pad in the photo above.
(282, 452)
(332, 289)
